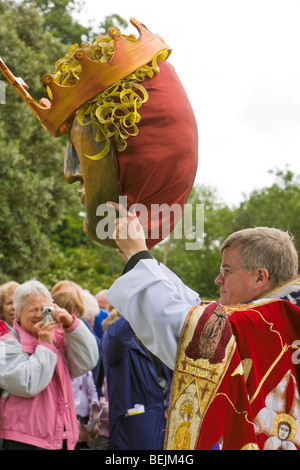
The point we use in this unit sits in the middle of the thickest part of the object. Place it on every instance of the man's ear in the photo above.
(262, 276)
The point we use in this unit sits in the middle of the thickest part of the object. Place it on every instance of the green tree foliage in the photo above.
(112, 20)
(79, 259)
(58, 19)
(36, 203)
(33, 195)
(274, 206)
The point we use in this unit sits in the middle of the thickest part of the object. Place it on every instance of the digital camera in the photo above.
(47, 313)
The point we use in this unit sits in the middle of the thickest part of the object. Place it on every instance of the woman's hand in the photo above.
(62, 317)
(45, 331)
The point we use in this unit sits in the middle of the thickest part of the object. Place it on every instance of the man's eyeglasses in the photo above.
(224, 271)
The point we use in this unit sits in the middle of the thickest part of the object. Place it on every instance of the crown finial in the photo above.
(95, 77)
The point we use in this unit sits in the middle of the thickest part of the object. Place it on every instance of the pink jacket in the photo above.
(37, 403)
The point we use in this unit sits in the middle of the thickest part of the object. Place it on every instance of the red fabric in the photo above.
(159, 164)
(3, 328)
(261, 333)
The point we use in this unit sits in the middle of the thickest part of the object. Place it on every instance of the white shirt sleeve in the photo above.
(155, 302)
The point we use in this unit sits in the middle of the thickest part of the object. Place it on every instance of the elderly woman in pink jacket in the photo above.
(38, 358)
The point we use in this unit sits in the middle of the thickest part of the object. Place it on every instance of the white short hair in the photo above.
(91, 307)
(32, 287)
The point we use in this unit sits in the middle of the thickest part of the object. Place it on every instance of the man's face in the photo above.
(97, 179)
(237, 285)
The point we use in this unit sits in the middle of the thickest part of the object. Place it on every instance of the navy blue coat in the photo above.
(132, 378)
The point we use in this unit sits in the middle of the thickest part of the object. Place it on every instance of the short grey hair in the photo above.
(32, 287)
(269, 248)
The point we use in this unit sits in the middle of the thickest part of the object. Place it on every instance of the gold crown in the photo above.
(95, 77)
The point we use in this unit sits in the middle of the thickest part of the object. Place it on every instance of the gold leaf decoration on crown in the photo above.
(90, 70)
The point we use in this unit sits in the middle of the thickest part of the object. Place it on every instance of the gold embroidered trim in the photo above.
(195, 384)
(284, 349)
(250, 446)
(245, 413)
(270, 325)
(282, 287)
(230, 309)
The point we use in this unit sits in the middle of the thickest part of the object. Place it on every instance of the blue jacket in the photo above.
(132, 378)
(98, 320)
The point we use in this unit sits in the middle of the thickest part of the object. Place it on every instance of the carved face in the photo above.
(98, 180)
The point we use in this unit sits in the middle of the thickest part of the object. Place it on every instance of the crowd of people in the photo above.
(80, 379)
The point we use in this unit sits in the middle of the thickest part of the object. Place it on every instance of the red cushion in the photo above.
(160, 163)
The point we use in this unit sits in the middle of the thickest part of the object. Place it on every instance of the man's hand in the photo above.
(129, 233)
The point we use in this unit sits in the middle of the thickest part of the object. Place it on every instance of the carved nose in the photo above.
(72, 170)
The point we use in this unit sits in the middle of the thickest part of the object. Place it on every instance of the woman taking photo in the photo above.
(37, 361)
